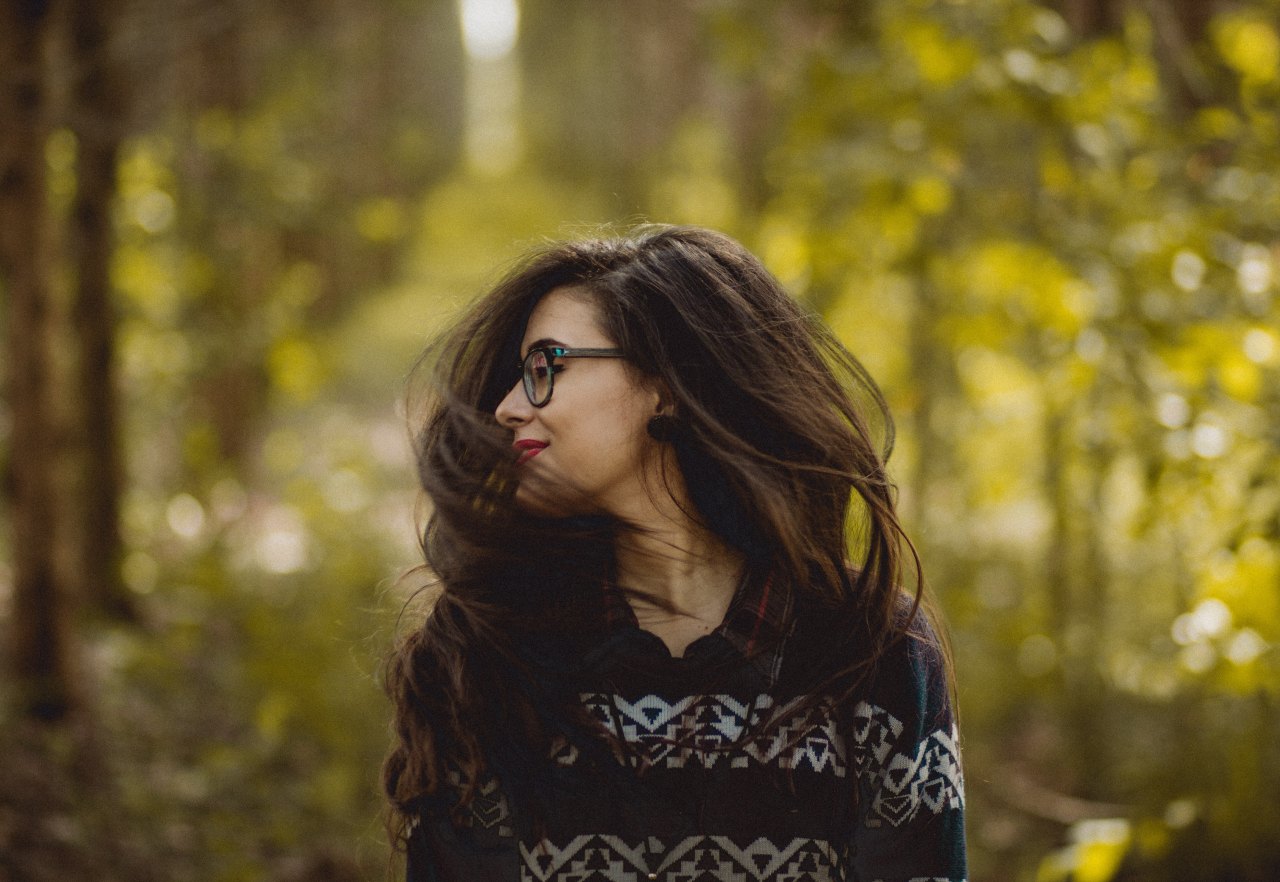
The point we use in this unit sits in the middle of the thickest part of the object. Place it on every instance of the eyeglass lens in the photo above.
(537, 377)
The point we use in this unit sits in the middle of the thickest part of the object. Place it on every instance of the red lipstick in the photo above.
(528, 449)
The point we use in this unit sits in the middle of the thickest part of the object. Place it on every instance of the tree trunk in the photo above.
(1092, 18)
(97, 118)
(1073, 581)
(39, 636)
(926, 382)
(1178, 25)
(624, 80)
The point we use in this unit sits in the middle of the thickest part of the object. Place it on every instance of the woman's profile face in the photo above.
(584, 449)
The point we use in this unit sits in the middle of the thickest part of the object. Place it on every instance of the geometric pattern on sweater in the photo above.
(489, 809)
(929, 778)
(706, 729)
(608, 858)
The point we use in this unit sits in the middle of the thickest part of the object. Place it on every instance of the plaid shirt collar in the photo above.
(756, 624)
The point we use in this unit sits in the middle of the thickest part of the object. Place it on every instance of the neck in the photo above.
(678, 569)
(680, 572)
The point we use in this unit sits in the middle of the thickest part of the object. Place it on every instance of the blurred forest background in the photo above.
(227, 227)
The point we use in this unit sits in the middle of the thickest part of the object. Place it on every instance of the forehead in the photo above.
(568, 316)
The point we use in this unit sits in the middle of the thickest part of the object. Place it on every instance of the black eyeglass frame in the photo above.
(552, 353)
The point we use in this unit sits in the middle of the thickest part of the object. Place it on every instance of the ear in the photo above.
(663, 400)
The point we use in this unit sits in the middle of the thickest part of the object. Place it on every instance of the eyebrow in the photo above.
(543, 341)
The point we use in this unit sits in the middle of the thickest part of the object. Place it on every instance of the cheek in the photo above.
(628, 419)
(613, 438)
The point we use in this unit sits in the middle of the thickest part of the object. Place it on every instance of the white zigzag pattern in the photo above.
(609, 857)
(704, 730)
(929, 778)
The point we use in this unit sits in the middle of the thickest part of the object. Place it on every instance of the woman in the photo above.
(679, 633)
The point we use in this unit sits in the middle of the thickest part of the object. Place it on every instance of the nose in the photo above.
(514, 410)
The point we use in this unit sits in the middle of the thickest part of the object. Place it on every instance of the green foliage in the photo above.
(1081, 296)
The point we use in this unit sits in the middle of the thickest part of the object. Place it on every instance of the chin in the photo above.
(535, 503)
(540, 496)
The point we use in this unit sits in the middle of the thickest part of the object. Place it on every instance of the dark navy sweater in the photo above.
(721, 766)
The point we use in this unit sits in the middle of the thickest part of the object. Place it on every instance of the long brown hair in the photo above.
(784, 450)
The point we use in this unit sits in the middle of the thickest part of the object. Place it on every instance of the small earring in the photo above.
(662, 428)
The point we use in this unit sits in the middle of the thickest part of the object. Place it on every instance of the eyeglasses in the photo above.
(539, 369)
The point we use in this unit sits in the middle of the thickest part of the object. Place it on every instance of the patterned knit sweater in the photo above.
(722, 770)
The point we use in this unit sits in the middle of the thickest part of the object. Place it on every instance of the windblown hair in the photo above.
(784, 443)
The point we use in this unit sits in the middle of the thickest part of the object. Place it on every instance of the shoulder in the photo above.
(898, 692)
(913, 674)
(909, 657)
(905, 749)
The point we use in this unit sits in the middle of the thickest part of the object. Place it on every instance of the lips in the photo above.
(528, 449)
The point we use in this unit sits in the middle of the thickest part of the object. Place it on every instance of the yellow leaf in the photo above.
(930, 194)
(273, 712)
(380, 220)
(785, 250)
(1099, 861)
(1055, 172)
(145, 282)
(1217, 122)
(1240, 378)
(994, 379)
(941, 58)
(1100, 847)
(1246, 582)
(295, 368)
(1027, 282)
(1249, 45)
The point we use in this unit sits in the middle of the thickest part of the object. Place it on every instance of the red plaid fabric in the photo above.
(756, 624)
